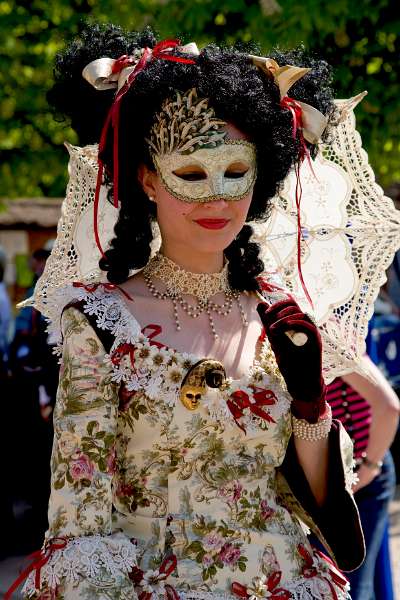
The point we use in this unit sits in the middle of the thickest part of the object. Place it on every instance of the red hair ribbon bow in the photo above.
(163, 50)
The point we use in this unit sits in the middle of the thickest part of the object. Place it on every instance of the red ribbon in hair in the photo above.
(122, 62)
(40, 558)
(297, 128)
(163, 50)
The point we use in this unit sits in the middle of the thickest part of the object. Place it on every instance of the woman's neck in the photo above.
(199, 262)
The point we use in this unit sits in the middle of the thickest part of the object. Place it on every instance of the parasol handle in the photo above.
(298, 338)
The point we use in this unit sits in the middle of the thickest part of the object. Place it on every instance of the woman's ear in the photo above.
(147, 179)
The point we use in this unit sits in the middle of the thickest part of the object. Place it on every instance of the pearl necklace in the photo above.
(200, 285)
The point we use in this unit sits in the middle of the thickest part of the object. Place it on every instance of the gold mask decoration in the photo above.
(191, 396)
(204, 373)
(186, 133)
(184, 124)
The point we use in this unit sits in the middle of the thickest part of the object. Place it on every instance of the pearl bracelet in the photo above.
(363, 460)
(312, 432)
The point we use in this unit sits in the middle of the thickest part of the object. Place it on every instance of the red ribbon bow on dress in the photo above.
(121, 351)
(274, 593)
(166, 569)
(239, 401)
(155, 331)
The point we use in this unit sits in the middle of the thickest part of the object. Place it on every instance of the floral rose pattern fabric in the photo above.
(132, 466)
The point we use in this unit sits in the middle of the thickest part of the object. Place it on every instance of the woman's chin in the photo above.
(211, 245)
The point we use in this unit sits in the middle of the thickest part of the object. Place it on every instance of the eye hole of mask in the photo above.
(235, 174)
(190, 174)
(235, 171)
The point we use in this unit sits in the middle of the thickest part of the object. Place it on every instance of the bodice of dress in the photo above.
(200, 481)
(197, 484)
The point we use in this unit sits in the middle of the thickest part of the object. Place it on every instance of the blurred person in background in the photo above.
(34, 379)
(5, 316)
(383, 340)
(369, 411)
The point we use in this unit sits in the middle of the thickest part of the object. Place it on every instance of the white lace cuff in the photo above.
(96, 560)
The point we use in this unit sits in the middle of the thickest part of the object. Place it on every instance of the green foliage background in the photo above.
(360, 39)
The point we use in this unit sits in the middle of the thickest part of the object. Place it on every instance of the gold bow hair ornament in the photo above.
(313, 121)
(109, 73)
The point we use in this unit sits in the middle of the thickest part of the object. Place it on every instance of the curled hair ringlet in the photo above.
(239, 93)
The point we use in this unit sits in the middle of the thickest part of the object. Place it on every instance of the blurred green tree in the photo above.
(361, 41)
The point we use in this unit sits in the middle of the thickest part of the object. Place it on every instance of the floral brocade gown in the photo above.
(150, 499)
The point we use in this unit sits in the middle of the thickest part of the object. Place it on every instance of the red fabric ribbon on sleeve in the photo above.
(309, 570)
(40, 558)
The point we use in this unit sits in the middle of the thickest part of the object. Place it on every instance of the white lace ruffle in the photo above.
(93, 559)
(315, 588)
(160, 371)
(301, 589)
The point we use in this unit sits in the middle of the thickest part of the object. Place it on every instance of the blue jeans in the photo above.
(372, 501)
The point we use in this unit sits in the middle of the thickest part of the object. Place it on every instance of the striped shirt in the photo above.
(353, 411)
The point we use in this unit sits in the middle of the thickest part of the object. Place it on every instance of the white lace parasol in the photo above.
(350, 232)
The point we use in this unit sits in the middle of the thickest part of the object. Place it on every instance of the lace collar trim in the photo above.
(141, 364)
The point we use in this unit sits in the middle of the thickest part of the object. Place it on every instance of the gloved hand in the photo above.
(301, 366)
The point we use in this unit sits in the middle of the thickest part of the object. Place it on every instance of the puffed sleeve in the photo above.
(86, 558)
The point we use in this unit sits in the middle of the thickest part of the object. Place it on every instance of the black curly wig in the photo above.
(239, 93)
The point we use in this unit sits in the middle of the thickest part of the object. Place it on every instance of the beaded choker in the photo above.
(203, 286)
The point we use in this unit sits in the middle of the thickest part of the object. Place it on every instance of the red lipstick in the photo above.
(212, 223)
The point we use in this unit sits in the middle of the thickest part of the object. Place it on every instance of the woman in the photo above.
(369, 411)
(175, 471)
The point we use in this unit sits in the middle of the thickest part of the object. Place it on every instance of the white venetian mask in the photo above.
(226, 171)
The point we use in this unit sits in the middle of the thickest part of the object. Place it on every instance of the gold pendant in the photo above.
(206, 372)
(191, 396)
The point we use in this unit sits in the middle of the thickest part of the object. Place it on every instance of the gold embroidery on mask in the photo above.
(184, 124)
